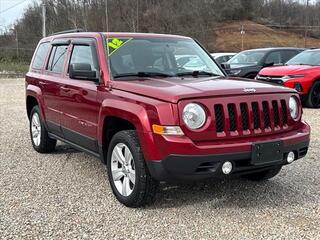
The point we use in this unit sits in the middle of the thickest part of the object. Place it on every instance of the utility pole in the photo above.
(85, 21)
(242, 37)
(137, 27)
(306, 23)
(281, 12)
(44, 31)
(107, 17)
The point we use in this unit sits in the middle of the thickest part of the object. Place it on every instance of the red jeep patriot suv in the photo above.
(124, 98)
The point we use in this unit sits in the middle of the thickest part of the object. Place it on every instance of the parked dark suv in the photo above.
(124, 98)
(248, 63)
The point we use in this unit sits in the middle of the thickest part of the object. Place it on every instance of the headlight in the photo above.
(294, 107)
(194, 116)
(288, 77)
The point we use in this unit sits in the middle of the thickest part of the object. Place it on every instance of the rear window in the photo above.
(40, 55)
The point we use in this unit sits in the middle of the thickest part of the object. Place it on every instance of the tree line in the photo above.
(195, 18)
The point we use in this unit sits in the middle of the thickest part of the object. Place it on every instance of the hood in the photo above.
(288, 70)
(175, 89)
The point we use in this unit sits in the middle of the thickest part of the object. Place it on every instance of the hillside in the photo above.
(228, 37)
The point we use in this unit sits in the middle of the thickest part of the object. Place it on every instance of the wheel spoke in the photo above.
(34, 133)
(117, 174)
(125, 186)
(34, 124)
(132, 176)
(36, 120)
(36, 141)
(128, 155)
(118, 154)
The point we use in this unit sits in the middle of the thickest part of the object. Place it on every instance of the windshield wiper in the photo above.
(196, 74)
(143, 74)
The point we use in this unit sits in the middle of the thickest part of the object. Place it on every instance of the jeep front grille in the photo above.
(250, 116)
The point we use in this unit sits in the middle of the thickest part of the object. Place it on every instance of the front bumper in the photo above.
(194, 167)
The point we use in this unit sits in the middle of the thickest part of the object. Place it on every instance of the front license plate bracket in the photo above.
(267, 152)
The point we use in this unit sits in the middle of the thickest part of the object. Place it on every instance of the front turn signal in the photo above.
(167, 130)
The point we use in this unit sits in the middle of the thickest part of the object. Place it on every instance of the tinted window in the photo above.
(248, 57)
(274, 57)
(57, 57)
(82, 54)
(287, 55)
(40, 55)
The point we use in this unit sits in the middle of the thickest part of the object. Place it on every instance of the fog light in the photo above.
(290, 157)
(227, 168)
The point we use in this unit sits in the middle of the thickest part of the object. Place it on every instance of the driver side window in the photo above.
(82, 54)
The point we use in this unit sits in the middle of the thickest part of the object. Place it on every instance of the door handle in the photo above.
(65, 89)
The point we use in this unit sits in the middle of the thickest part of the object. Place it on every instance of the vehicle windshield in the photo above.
(164, 57)
(247, 58)
(306, 58)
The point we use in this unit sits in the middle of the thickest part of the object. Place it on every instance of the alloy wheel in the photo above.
(36, 129)
(123, 169)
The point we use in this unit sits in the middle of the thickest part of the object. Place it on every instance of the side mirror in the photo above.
(225, 66)
(268, 64)
(82, 71)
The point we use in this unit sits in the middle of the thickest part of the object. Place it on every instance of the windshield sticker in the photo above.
(116, 43)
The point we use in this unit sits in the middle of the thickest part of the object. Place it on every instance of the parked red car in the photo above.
(123, 98)
(301, 73)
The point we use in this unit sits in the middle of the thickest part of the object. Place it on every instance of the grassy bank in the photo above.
(13, 67)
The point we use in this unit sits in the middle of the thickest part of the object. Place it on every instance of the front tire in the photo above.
(128, 174)
(263, 175)
(40, 139)
(313, 98)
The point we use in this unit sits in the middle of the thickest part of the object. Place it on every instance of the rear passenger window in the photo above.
(82, 54)
(57, 58)
(40, 55)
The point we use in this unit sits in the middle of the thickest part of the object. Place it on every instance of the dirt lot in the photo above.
(65, 195)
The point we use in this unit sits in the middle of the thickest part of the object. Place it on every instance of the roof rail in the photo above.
(68, 31)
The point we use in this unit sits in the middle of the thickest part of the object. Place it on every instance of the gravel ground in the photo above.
(66, 195)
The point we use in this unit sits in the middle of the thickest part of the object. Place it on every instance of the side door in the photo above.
(51, 84)
(80, 109)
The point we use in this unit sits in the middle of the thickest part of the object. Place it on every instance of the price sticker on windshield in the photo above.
(114, 44)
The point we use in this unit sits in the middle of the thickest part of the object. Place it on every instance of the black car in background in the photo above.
(248, 63)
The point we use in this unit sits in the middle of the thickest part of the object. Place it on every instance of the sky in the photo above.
(11, 10)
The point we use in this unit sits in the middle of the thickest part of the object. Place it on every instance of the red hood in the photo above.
(288, 70)
(176, 89)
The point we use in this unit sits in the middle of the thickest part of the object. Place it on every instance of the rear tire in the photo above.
(313, 98)
(128, 174)
(40, 139)
(263, 175)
